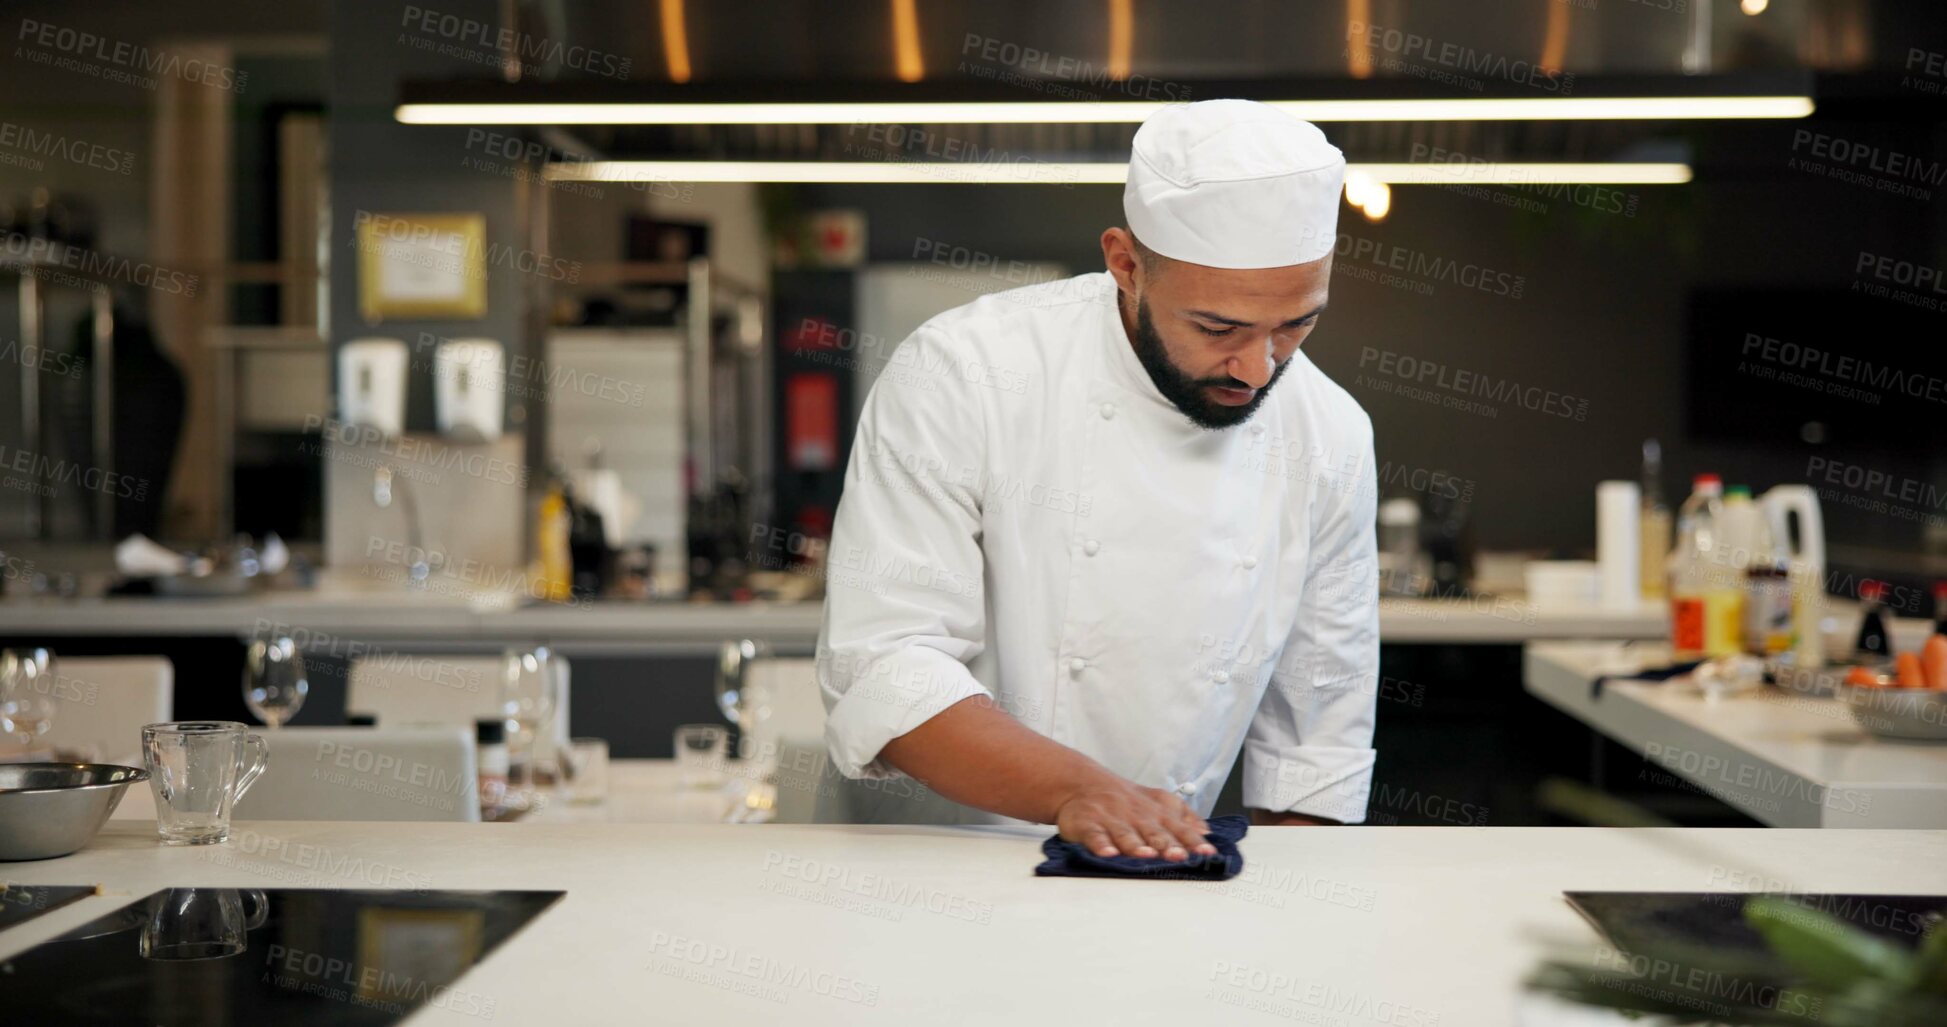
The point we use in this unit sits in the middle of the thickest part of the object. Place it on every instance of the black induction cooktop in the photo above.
(20, 903)
(187, 956)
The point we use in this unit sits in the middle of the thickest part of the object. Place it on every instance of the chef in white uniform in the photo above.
(1100, 535)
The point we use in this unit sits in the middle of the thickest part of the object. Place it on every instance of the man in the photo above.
(1107, 532)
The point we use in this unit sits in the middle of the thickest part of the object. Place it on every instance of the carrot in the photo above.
(1862, 677)
(1910, 674)
(1933, 660)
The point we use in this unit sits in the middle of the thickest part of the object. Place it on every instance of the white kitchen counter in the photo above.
(394, 618)
(340, 616)
(906, 925)
(639, 792)
(1787, 760)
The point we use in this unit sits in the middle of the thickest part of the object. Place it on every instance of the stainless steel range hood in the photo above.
(1064, 83)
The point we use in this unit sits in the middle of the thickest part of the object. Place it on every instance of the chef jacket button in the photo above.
(1187, 789)
(1250, 562)
(1221, 677)
(1257, 427)
(1077, 665)
(1091, 547)
(1108, 411)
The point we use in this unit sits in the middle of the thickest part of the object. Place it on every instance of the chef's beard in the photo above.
(1186, 392)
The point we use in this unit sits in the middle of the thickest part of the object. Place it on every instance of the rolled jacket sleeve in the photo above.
(1309, 747)
(904, 600)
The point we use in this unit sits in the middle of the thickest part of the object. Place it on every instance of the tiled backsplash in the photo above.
(470, 500)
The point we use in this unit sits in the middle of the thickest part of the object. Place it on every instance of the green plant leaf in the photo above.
(1930, 965)
(1828, 951)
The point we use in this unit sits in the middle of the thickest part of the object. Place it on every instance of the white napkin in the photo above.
(139, 556)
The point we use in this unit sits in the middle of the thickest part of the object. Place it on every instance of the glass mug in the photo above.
(200, 923)
(198, 770)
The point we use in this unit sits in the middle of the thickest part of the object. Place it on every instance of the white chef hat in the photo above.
(1234, 184)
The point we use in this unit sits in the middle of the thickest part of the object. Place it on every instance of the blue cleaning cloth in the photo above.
(1071, 859)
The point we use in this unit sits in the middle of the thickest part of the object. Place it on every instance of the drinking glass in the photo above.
(274, 684)
(529, 686)
(198, 769)
(587, 765)
(700, 753)
(200, 923)
(26, 694)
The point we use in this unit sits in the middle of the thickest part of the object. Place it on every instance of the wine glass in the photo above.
(26, 694)
(529, 687)
(274, 685)
(743, 702)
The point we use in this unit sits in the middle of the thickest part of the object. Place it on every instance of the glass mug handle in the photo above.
(252, 921)
(250, 764)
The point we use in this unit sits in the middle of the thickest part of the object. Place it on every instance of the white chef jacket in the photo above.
(1026, 516)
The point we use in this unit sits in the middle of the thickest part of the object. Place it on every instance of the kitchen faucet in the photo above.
(382, 485)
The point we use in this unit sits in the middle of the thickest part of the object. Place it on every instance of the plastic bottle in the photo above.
(1654, 524)
(1705, 598)
(1770, 613)
(1875, 642)
(553, 570)
(490, 759)
(1741, 558)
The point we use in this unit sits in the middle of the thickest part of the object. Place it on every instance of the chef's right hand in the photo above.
(1118, 817)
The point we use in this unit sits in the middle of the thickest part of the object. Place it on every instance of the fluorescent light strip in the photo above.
(1516, 173)
(1103, 173)
(1560, 108)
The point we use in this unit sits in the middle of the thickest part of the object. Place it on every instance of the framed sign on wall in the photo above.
(421, 266)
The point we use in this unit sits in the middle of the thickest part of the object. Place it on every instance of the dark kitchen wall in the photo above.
(381, 167)
(1603, 279)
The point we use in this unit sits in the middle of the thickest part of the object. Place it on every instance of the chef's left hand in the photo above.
(1266, 818)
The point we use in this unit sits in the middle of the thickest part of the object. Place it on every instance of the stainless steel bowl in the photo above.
(52, 809)
(1912, 714)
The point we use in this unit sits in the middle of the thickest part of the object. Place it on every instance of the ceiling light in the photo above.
(1090, 173)
(1642, 108)
(1379, 202)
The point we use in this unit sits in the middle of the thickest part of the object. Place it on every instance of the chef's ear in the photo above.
(1127, 260)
